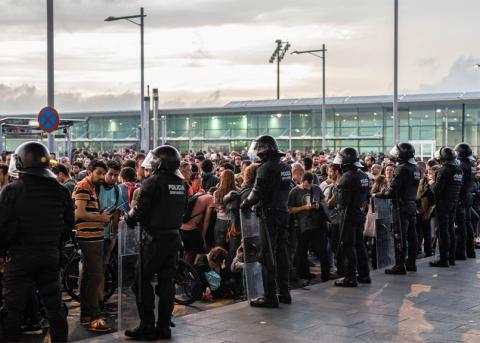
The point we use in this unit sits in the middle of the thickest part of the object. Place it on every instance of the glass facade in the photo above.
(366, 126)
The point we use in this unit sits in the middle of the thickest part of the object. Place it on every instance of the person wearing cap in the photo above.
(36, 216)
(159, 210)
(446, 189)
(352, 200)
(403, 189)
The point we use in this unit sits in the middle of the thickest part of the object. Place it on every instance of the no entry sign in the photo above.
(48, 119)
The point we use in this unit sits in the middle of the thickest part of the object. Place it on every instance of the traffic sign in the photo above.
(48, 119)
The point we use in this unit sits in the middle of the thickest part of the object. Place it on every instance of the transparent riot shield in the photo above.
(128, 252)
(385, 248)
(250, 224)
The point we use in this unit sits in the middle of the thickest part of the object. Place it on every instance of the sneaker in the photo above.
(99, 325)
(264, 302)
(396, 270)
(31, 329)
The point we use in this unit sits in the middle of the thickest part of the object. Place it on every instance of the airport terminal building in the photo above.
(363, 122)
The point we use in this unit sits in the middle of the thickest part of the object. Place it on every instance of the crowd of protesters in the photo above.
(104, 184)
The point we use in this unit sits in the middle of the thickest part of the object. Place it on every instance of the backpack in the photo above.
(191, 201)
(131, 187)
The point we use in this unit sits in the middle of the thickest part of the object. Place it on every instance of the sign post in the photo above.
(48, 119)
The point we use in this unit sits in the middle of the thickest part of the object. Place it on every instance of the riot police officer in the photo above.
(403, 190)
(159, 210)
(271, 189)
(465, 238)
(36, 215)
(446, 190)
(352, 200)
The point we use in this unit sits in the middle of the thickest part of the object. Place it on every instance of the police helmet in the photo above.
(348, 157)
(269, 147)
(168, 159)
(464, 150)
(403, 151)
(447, 155)
(33, 158)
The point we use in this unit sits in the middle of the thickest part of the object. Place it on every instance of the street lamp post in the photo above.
(396, 132)
(50, 69)
(278, 55)
(324, 116)
(144, 122)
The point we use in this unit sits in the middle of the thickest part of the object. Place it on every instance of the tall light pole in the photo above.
(144, 122)
(324, 116)
(396, 132)
(278, 55)
(50, 69)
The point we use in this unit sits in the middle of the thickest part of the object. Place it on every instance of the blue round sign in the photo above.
(48, 119)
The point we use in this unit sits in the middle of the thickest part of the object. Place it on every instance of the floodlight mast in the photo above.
(278, 55)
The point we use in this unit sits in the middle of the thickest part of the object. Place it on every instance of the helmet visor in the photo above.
(337, 159)
(147, 162)
(252, 152)
(12, 167)
(394, 152)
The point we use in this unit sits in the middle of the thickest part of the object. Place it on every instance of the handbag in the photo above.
(214, 280)
(370, 222)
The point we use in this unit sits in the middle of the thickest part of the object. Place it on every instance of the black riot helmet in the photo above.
(447, 155)
(264, 147)
(168, 159)
(33, 158)
(403, 152)
(348, 158)
(464, 150)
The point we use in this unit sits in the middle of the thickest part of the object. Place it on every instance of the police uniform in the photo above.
(159, 210)
(271, 189)
(36, 216)
(446, 190)
(465, 241)
(352, 199)
(404, 189)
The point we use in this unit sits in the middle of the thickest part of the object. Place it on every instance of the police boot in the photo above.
(285, 298)
(346, 283)
(364, 279)
(143, 332)
(460, 255)
(452, 262)
(411, 267)
(265, 302)
(439, 263)
(398, 269)
(471, 254)
(164, 332)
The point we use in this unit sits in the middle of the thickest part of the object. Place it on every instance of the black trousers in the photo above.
(25, 268)
(409, 236)
(354, 251)
(275, 275)
(446, 233)
(465, 241)
(424, 235)
(159, 257)
(316, 238)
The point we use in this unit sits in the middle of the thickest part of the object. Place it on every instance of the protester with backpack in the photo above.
(196, 221)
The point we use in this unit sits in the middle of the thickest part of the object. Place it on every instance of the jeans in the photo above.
(91, 280)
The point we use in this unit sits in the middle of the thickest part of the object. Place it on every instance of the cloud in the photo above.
(462, 76)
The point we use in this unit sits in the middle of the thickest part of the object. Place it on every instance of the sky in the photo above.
(208, 52)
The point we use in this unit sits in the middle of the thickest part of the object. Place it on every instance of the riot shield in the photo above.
(385, 249)
(128, 253)
(252, 243)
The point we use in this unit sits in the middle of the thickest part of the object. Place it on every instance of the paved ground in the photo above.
(433, 305)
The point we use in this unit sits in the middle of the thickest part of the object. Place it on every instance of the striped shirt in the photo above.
(87, 231)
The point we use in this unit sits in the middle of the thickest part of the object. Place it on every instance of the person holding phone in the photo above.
(304, 202)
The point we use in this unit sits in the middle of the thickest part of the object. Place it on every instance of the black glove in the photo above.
(245, 205)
